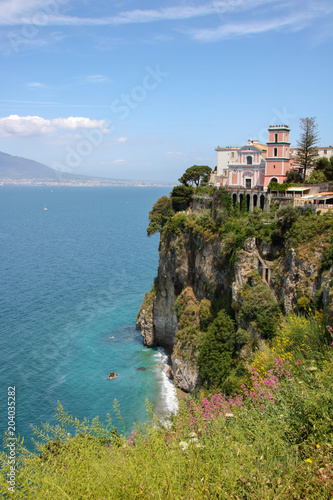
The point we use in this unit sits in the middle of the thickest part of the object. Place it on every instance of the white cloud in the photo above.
(13, 12)
(26, 126)
(20, 11)
(35, 84)
(122, 139)
(117, 162)
(295, 21)
(261, 16)
(96, 79)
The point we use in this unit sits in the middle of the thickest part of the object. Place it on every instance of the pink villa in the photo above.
(247, 172)
(257, 165)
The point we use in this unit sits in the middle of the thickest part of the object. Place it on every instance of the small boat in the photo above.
(45, 207)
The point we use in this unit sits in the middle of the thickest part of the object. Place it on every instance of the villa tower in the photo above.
(278, 150)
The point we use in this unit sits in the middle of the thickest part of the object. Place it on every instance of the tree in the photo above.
(181, 197)
(316, 177)
(325, 167)
(307, 151)
(194, 174)
(294, 176)
(159, 215)
(219, 350)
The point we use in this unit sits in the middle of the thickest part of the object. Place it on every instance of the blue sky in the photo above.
(141, 90)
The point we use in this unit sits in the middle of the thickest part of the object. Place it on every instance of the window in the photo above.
(275, 151)
(249, 160)
(232, 155)
(325, 151)
(276, 137)
(274, 180)
(248, 183)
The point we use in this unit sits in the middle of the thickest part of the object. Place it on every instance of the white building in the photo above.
(231, 160)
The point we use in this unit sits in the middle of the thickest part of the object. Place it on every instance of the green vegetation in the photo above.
(323, 171)
(308, 227)
(273, 439)
(327, 258)
(195, 174)
(181, 197)
(204, 190)
(260, 309)
(294, 176)
(259, 427)
(307, 151)
(193, 317)
(219, 351)
(279, 187)
(316, 177)
(159, 215)
(148, 300)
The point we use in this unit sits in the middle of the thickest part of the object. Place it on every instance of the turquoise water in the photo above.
(72, 279)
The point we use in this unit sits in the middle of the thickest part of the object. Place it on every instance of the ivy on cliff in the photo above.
(193, 318)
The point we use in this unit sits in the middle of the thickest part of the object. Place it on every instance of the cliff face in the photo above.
(197, 262)
(186, 261)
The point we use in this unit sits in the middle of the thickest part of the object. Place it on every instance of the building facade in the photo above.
(249, 170)
(254, 165)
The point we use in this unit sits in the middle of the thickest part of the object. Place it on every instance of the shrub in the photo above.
(181, 197)
(218, 350)
(261, 307)
(327, 258)
(159, 215)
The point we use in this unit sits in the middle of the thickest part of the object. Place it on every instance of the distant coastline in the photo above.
(84, 183)
(19, 171)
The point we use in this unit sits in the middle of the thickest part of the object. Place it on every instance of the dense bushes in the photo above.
(159, 215)
(181, 197)
(260, 307)
(219, 349)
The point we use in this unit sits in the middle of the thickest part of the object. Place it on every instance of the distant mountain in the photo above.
(16, 167)
(21, 171)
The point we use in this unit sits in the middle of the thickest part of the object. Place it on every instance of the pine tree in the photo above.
(307, 151)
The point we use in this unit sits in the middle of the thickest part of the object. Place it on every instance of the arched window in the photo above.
(249, 160)
(274, 180)
(275, 151)
(276, 137)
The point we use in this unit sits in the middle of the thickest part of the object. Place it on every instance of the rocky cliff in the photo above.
(199, 263)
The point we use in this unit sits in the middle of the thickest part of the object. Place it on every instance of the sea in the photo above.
(75, 263)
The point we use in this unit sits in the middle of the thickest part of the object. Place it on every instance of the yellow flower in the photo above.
(318, 445)
(309, 460)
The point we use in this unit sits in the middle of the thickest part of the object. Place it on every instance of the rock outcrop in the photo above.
(199, 261)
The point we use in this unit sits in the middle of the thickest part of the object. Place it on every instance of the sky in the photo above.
(143, 90)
